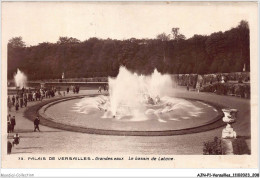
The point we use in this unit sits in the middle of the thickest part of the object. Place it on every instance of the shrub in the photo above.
(212, 147)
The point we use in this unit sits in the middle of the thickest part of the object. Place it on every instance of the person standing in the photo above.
(47, 94)
(17, 106)
(16, 139)
(9, 118)
(42, 94)
(9, 106)
(9, 123)
(13, 100)
(8, 99)
(21, 102)
(36, 124)
(13, 123)
(25, 101)
(17, 98)
(68, 90)
(77, 89)
(9, 127)
(188, 87)
(29, 97)
(34, 96)
(9, 147)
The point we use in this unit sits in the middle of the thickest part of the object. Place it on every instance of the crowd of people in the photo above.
(11, 122)
(20, 100)
(16, 138)
(15, 141)
(75, 89)
(23, 96)
(105, 88)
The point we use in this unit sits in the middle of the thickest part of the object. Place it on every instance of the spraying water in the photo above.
(132, 90)
(20, 79)
(134, 97)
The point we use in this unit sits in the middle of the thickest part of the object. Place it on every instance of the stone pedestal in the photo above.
(229, 132)
(227, 147)
(230, 116)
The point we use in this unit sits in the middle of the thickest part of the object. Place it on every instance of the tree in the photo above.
(163, 37)
(219, 52)
(243, 36)
(243, 24)
(66, 40)
(16, 42)
(225, 68)
(202, 68)
(176, 34)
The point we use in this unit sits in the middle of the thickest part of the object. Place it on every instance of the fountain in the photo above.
(20, 82)
(20, 79)
(135, 103)
(129, 92)
(134, 97)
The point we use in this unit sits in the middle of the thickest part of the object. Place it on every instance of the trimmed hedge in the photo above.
(239, 90)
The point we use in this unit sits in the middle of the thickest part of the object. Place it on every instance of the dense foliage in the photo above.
(212, 147)
(219, 52)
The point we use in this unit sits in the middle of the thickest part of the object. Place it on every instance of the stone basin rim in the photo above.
(33, 111)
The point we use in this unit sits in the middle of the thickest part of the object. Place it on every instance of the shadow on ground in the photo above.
(240, 146)
(25, 148)
(32, 131)
(19, 152)
(244, 137)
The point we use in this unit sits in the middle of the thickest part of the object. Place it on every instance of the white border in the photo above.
(122, 172)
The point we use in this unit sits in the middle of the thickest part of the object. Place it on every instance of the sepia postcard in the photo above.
(130, 85)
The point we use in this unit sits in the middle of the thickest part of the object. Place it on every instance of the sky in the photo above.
(38, 22)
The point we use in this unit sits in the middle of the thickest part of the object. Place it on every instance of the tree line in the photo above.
(174, 54)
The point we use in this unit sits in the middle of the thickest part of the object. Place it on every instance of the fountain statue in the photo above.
(230, 116)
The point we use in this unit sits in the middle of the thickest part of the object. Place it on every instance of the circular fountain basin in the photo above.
(170, 114)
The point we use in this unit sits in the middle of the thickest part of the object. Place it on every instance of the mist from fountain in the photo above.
(20, 79)
(133, 90)
(134, 97)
